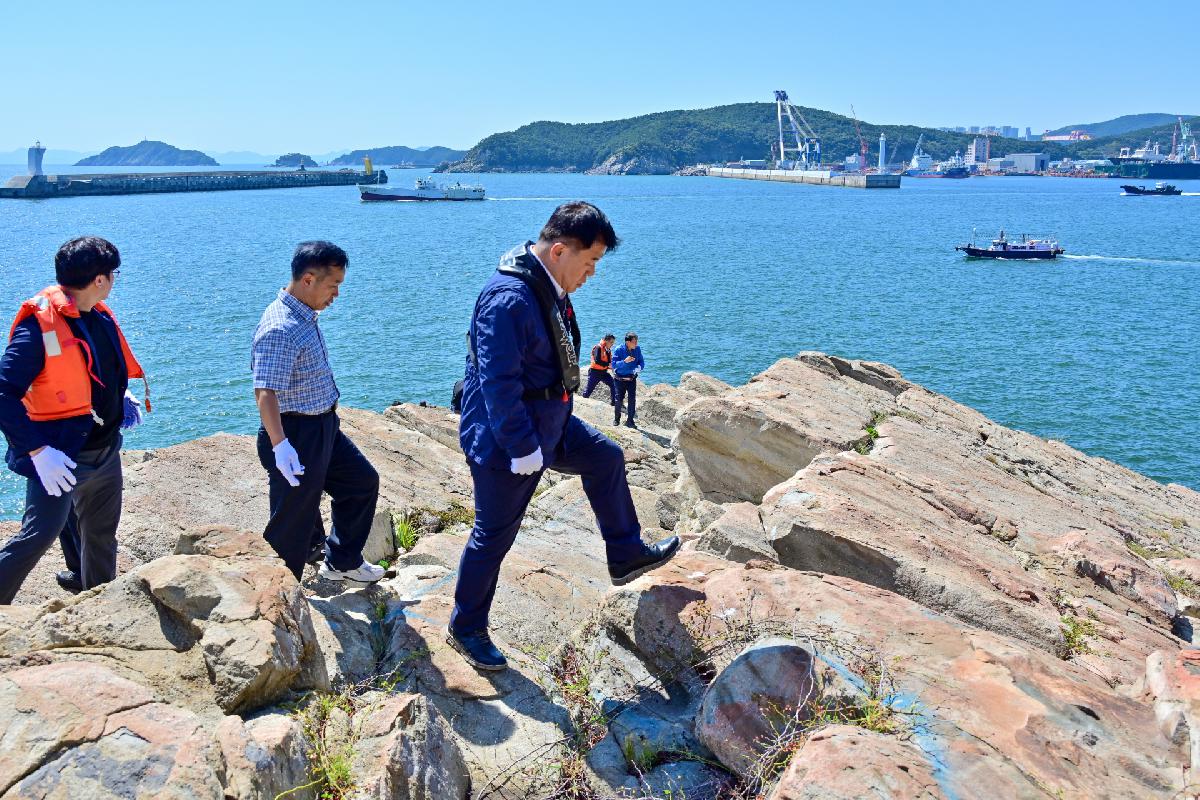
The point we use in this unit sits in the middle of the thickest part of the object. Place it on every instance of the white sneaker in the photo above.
(363, 573)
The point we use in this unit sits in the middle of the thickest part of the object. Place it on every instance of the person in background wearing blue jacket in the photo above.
(64, 400)
(627, 364)
(522, 369)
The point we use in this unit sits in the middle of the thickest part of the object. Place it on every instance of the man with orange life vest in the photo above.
(63, 402)
(599, 370)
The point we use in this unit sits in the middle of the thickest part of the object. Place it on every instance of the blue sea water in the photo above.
(1097, 349)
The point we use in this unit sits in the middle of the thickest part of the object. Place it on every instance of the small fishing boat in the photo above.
(1160, 188)
(1028, 247)
(425, 189)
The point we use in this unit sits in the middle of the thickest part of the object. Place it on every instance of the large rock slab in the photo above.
(79, 730)
(233, 633)
(863, 474)
(993, 717)
(264, 756)
(741, 443)
(404, 751)
(843, 762)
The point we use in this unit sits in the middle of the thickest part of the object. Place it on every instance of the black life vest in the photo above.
(564, 330)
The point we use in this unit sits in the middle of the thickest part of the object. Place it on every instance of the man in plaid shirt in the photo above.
(300, 443)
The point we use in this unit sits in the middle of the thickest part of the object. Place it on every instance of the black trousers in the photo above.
(599, 376)
(332, 464)
(626, 387)
(96, 504)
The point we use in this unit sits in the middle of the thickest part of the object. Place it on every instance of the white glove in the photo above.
(527, 465)
(54, 469)
(288, 462)
(132, 412)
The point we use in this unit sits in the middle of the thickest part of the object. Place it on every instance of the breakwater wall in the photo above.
(814, 177)
(43, 186)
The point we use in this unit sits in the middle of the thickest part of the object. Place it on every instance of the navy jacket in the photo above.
(23, 360)
(627, 370)
(515, 354)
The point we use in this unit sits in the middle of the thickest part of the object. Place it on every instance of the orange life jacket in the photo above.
(63, 389)
(605, 358)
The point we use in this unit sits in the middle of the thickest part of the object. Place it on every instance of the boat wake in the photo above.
(1162, 262)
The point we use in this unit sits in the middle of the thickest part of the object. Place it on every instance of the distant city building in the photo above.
(976, 151)
(1073, 136)
(999, 164)
(973, 129)
(960, 129)
(1028, 162)
(1010, 131)
(1028, 133)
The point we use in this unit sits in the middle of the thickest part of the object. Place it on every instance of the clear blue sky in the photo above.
(318, 77)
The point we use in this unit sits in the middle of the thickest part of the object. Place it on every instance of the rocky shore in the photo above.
(882, 593)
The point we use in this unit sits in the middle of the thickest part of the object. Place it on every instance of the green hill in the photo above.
(664, 142)
(148, 154)
(1121, 125)
(399, 154)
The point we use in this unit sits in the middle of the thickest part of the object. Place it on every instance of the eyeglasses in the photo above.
(115, 272)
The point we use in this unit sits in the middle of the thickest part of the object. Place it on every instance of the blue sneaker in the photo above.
(477, 649)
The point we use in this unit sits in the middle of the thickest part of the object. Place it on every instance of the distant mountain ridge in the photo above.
(399, 154)
(148, 154)
(1120, 125)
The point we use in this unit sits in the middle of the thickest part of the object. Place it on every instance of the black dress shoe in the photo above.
(652, 556)
(316, 555)
(629, 424)
(69, 580)
(477, 649)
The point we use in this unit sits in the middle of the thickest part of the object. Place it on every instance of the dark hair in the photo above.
(630, 335)
(319, 257)
(612, 336)
(582, 222)
(78, 262)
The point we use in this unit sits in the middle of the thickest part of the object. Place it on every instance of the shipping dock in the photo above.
(815, 177)
(37, 185)
(798, 157)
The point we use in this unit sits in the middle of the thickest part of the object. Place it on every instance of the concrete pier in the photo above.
(821, 177)
(44, 186)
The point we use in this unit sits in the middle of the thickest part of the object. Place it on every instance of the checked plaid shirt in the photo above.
(290, 357)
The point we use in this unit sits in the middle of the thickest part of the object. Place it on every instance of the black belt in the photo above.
(329, 410)
(549, 393)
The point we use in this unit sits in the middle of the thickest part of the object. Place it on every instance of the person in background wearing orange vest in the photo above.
(64, 400)
(599, 371)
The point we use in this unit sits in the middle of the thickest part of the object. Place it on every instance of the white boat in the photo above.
(425, 189)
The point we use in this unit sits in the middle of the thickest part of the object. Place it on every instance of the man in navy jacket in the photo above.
(516, 419)
(628, 365)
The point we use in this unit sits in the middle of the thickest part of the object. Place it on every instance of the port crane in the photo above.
(808, 145)
(1183, 143)
(862, 143)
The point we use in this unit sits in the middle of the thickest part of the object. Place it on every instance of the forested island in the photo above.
(294, 160)
(399, 154)
(148, 154)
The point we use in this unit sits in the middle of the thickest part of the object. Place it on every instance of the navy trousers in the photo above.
(95, 502)
(626, 387)
(331, 464)
(500, 502)
(600, 376)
